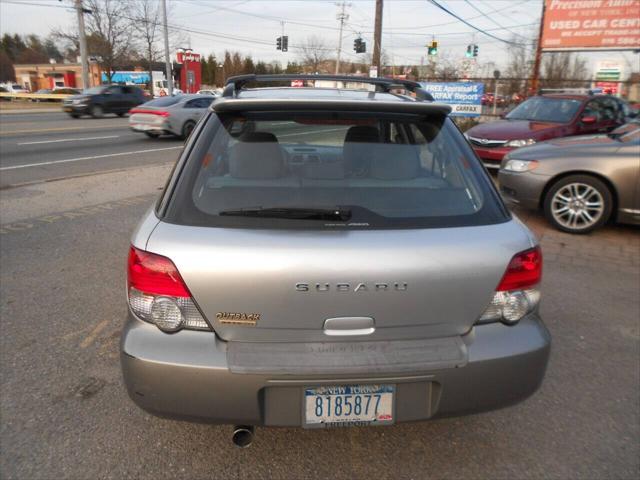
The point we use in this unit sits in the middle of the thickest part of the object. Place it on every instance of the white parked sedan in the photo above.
(175, 115)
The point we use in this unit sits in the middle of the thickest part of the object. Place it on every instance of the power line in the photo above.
(444, 9)
(491, 19)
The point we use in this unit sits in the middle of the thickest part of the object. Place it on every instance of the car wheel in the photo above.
(187, 128)
(578, 204)
(151, 134)
(97, 111)
(74, 115)
(121, 114)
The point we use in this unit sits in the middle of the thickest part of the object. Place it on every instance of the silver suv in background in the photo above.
(330, 256)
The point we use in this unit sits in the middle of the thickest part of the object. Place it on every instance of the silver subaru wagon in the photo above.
(328, 257)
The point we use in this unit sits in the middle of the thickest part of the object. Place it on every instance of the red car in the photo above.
(544, 117)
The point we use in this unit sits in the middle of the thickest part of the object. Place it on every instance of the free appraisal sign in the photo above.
(591, 25)
(465, 98)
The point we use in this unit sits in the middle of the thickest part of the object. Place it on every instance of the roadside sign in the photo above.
(591, 25)
(465, 98)
(297, 83)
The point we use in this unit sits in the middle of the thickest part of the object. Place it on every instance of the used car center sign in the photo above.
(465, 98)
(591, 25)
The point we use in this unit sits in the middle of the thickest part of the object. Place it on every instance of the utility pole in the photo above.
(342, 17)
(167, 55)
(83, 45)
(377, 37)
(535, 78)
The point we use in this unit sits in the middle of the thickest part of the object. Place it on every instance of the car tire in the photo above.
(187, 128)
(74, 115)
(578, 204)
(152, 135)
(121, 114)
(96, 111)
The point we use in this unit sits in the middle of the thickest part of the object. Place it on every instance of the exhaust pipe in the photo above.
(242, 435)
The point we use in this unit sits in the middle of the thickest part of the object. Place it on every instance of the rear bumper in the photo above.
(186, 375)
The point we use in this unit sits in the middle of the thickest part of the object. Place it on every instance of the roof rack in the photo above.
(235, 84)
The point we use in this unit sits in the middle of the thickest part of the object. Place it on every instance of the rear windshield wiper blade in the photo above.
(293, 213)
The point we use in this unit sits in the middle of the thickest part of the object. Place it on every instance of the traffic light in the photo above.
(285, 43)
(359, 46)
(279, 43)
(469, 53)
(433, 48)
(475, 50)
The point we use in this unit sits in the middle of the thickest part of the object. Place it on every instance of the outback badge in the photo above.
(235, 318)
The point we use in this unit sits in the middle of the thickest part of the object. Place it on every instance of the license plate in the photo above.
(345, 405)
(141, 127)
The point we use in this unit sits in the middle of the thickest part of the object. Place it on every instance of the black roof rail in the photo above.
(235, 84)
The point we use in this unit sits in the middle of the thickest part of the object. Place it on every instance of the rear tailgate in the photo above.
(282, 285)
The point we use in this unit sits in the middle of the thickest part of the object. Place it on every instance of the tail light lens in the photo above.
(161, 113)
(157, 293)
(517, 293)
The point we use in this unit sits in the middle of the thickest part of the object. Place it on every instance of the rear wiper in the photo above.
(293, 213)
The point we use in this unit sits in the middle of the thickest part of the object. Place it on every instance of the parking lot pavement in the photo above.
(65, 413)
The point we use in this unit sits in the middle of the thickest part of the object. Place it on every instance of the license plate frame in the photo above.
(384, 416)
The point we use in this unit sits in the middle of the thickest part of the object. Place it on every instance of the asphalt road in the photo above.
(64, 412)
(44, 146)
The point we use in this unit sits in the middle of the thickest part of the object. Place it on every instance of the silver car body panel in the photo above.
(450, 276)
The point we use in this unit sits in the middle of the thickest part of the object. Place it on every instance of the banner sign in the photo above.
(182, 57)
(591, 25)
(465, 98)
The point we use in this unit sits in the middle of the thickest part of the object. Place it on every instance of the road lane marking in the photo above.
(89, 339)
(63, 129)
(314, 132)
(94, 157)
(68, 140)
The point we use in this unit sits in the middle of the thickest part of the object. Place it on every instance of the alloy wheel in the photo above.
(577, 206)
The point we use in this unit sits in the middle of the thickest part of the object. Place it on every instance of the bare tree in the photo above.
(146, 16)
(314, 53)
(110, 30)
(564, 69)
(519, 65)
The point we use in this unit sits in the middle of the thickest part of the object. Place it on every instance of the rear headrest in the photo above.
(362, 134)
(395, 162)
(358, 148)
(256, 155)
(255, 137)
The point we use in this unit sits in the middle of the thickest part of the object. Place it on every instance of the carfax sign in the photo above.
(465, 98)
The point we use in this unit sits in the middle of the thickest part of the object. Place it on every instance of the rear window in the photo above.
(163, 101)
(546, 109)
(386, 171)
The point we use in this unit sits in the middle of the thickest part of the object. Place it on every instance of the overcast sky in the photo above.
(254, 25)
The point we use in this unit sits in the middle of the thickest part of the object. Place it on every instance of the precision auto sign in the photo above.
(465, 98)
(591, 25)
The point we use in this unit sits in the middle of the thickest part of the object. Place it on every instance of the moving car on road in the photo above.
(579, 182)
(175, 115)
(97, 101)
(544, 117)
(326, 257)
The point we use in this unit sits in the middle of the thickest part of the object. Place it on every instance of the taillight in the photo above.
(161, 113)
(157, 293)
(516, 295)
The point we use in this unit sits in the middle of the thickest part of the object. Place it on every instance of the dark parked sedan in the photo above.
(579, 182)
